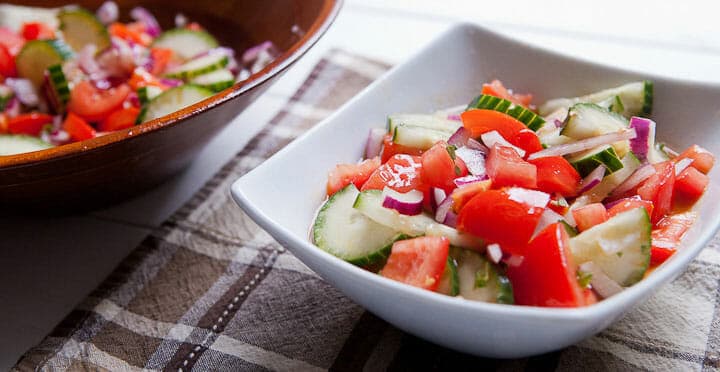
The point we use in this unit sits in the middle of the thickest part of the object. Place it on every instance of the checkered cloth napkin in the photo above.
(211, 291)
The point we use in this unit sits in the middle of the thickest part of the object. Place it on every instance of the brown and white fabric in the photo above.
(211, 291)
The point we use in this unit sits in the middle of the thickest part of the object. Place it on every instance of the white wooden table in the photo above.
(48, 265)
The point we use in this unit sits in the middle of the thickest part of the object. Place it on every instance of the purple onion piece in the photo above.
(24, 91)
(459, 138)
(476, 145)
(558, 123)
(616, 202)
(547, 218)
(374, 144)
(140, 14)
(251, 54)
(463, 181)
(409, 203)
(474, 160)
(451, 219)
(439, 195)
(585, 144)
(494, 253)
(108, 12)
(645, 136)
(592, 179)
(640, 175)
(454, 117)
(171, 82)
(443, 209)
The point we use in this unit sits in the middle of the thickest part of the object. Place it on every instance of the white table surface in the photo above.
(48, 265)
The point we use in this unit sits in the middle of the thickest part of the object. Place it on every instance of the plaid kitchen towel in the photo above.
(211, 291)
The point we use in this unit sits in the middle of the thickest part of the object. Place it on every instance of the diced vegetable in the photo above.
(30, 124)
(636, 97)
(627, 204)
(482, 121)
(440, 166)
(703, 160)
(37, 55)
(667, 236)
(77, 128)
(589, 215)
(506, 168)
(480, 280)
(94, 104)
(119, 119)
(489, 102)
(345, 174)
(81, 28)
(402, 173)
(409, 203)
(419, 262)
(496, 88)
(586, 162)
(449, 282)
(659, 190)
(587, 120)
(57, 89)
(690, 184)
(612, 181)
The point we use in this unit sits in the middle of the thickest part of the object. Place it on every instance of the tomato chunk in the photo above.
(667, 235)
(556, 175)
(627, 204)
(513, 130)
(419, 262)
(120, 119)
(690, 184)
(30, 123)
(506, 168)
(440, 167)
(463, 194)
(507, 217)
(659, 189)
(401, 173)
(7, 63)
(11, 40)
(345, 174)
(546, 275)
(497, 89)
(703, 160)
(590, 215)
(37, 31)
(391, 149)
(77, 128)
(94, 104)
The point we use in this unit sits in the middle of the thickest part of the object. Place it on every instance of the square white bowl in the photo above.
(283, 193)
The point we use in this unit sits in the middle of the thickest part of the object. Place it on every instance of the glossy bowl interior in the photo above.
(123, 163)
(450, 71)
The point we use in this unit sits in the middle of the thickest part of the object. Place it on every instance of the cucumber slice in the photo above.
(81, 28)
(172, 100)
(369, 203)
(11, 144)
(56, 88)
(613, 104)
(587, 120)
(424, 121)
(6, 94)
(186, 43)
(585, 162)
(527, 117)
(37, 55)
(341, 230)
(147, 93)
(216, 80)
(612, 181)
(199, 66)
(449, 282)
(620, 246)
(418, 137)
(480, 280)
(637, 99)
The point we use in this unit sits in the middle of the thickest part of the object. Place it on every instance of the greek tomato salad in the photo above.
(68, 74)
(555, 205)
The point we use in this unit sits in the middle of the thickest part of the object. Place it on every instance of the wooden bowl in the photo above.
(121, 164)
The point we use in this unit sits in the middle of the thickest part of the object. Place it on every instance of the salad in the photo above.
(556, 205)
(68, 74)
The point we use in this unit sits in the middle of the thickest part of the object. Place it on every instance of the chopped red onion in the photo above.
(409, 203)
(459, 138)
(592, 179)
(140, 14)
(180, 20)
(462, 181)
(455, 117)
(108, 12)
(558, 123)
(116, 61)
(171, 82)
(532, 198)
(585, 144)
(443, 209)
(450, 219)
(616, 202)
(670, 152)
(476, 145)
(24, 91)
(494, 253)
(640, 174)
(682, 164)
(493, 138)
(474, 160)
(374, 144)
(601, 283)
(547, 218)
(643, 142)
(251, 55)
(439, 195)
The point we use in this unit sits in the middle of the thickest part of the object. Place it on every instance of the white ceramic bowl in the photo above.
(447, 72)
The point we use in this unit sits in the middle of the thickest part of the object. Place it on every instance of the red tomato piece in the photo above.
(506, 217)
(94, 104)
(119, 119)
(589, 215)
(546, 275)
(419, 262)
(7, 63)
(37, 31)
(11, 40)
(667, 235)
(345, 174)
(463, 194)
(160, 58)
(506, 168)
(690, 184)
(556, 175)
(77, 128)
(130, 33)
(391, 149)
(401, 173)
(511, 129)
(703, 160)
(30, 123)
(627, 204)
(659, 189)
(440, 168)
(141, 78)
(558, 204)
(497, 89)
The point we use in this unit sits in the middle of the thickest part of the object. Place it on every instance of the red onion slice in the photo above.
(450, 219)
(494, 253)
(476, 145)
(409, 203)
(108, 12)
(374, 144)
(592, 179)
(641, 174)
(493, 138)
(439, 195)
(601, 283)
(462, 181)
(443, 209)
(140, 14)
(645, 139)
(586, 144)
(682, 164)
(547, 218)
(459, 138)
(24, 91)
(474, 160)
